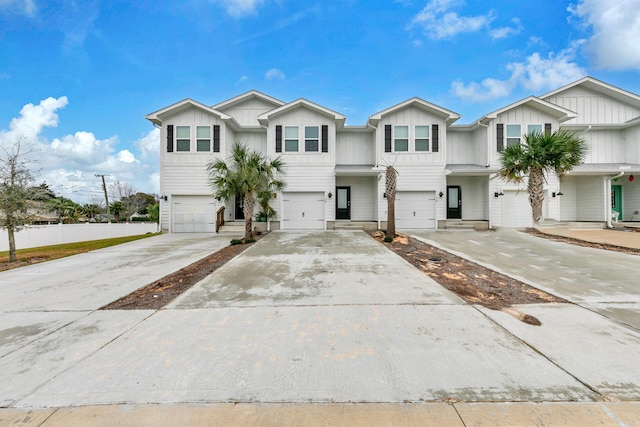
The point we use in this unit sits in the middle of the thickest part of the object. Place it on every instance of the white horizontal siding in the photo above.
(568, 201)
(418, 178)
(475, 191)
(363, 196)
(309, 179)
(590, 198)
(630, 198)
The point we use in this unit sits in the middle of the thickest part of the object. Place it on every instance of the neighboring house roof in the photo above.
(159, 116)
(562, 114)
(599, 87)
(301, 103)
(252, 94)
(448, 115)
(604, 168)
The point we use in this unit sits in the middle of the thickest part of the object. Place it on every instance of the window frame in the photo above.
(512, 140)
(395, 139)
(416, 138)
(180, 140)
(287, 139)
(203, 139)
(312, 139)
(540, 125)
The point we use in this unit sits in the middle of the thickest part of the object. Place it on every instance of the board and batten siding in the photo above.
(412, 116)
(363, 196)
(355, 148)
(467, 147)
(522, 115)
(247, 112)
(632, 145)
(605, 146)
(593, 108)
(303, 117)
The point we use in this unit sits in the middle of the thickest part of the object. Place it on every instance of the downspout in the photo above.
(375, 139)
(608, 197)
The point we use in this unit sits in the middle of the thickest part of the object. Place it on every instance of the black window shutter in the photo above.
(325, 138)
(278, 139)
(169, 138)
(435, 138)
(216, 138)
(547, 128)
(500, 137)
(387, 138)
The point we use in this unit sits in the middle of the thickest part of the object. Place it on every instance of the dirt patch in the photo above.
(161, 292)
(470, 281)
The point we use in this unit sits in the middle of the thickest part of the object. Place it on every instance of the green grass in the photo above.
(48, 253)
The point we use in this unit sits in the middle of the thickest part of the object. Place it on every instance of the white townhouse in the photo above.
(447, 172)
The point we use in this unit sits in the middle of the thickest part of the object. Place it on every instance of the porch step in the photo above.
(232, 227)
(586, 225)
(358, 225)
(466, 225)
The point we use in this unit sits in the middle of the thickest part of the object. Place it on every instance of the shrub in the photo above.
(250, 240)
(388, 239)
(236, 242)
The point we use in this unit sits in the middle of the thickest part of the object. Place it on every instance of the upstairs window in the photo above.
(183, 138)
(203, 138)
(311, 138)
(401, 138)
(534, 129)
(421, 138)
(291, 139)
(514, 134)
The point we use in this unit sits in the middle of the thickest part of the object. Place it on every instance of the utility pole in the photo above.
(106, 198)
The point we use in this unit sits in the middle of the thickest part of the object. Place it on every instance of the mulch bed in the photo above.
(578, 242)
(470, 281)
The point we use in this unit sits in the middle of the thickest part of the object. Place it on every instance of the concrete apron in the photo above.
(299, 317)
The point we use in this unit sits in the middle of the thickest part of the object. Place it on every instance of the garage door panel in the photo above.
(415, 209)
(516, 210)
(303, 211)
(193, 214)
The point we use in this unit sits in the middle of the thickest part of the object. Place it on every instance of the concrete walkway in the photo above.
(303, 328)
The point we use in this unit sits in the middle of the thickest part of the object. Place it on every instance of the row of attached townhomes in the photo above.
(335, 173)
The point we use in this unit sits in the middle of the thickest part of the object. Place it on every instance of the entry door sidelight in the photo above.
(343, 202)
(454, 202)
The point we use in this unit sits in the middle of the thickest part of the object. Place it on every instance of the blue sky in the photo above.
(77, 77)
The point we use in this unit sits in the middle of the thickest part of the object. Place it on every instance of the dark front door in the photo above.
(239, 208)
(343, 202)
(454, 202)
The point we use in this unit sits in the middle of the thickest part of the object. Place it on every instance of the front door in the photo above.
(239, 208)
(454, 202)
(616, 200)
(343, 202)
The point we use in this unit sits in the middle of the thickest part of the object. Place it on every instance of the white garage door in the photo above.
(193, 214)
(416, 209)
(303, 211)
(516, 210)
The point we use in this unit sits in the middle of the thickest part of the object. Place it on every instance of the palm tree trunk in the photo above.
(248, 215)
(536, 193)
(390, 191)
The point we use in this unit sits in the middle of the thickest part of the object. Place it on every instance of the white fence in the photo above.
(45, 235)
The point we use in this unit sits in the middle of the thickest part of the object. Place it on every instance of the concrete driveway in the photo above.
(299, 317)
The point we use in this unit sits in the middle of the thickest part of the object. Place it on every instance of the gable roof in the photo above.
(448, 115)
(252, 94)
(562, 114)
(157, 117)
(264, 118)
(602, 88)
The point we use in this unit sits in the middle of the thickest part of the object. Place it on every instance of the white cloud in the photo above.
(149, 145)
(504, 32)
(439, 22)
(616, 31)
(27, 7)
(535, 74)
(240, 8)
(69, 163)
(274, 74)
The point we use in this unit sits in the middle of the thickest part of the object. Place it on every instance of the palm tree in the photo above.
(91, 210)
(541, 153)
(245, 174)
(116, 209)
(57, 206)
